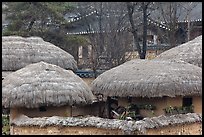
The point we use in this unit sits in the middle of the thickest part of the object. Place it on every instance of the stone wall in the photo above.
(190, 123)
(187, 129)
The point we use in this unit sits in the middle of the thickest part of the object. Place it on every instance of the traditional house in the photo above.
(17, 52)
(190, 52)
(88, 25)
(185, 21)
(44, 90)
(86, 22)
(153, 87)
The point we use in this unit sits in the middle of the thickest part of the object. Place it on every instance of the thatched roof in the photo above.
(17, 52)
(5, 73)
(44, 84)
(128, 127)
(150, 78)
(190, 52)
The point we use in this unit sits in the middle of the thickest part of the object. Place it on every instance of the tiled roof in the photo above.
(88, 73)
(196, 15)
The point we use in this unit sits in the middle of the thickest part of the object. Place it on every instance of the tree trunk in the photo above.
(130, 9)
(188, 33)
(31, 24)
(100, 30)
(75, 53)
(144, 48)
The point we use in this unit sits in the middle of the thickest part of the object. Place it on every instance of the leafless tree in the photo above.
(112, 41)
(118, 39)
(139, 12)
(188, 7)
(130, 8)
(169, 13)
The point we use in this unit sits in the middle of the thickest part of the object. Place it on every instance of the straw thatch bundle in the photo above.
(150, 78)
(17, 52)
(5, 73)
(190, 52)
(44, 84)
(128, 127)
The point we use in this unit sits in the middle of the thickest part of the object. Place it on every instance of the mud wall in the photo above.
(54, 130)
(186, 129)
(180, 124)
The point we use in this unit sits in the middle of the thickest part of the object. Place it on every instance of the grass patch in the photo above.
(5, 125)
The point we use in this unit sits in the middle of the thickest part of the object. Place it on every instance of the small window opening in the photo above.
(42, 109)
(187, 101)
(129, 99)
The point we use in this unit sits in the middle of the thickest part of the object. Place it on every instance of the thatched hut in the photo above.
(17, 52)
(43, 89)
(158, 83)
(190, 52)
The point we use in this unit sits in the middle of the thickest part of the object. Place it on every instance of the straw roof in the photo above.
(150, 78)
(128, 127)
(5, 73)
(190, 52)
(44, 84)
(17, 52)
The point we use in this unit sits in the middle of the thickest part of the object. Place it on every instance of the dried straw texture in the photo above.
(190, 52)
(128, 127)
(5, 73)
(17, 52)
(150, 78)
(44, 84)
